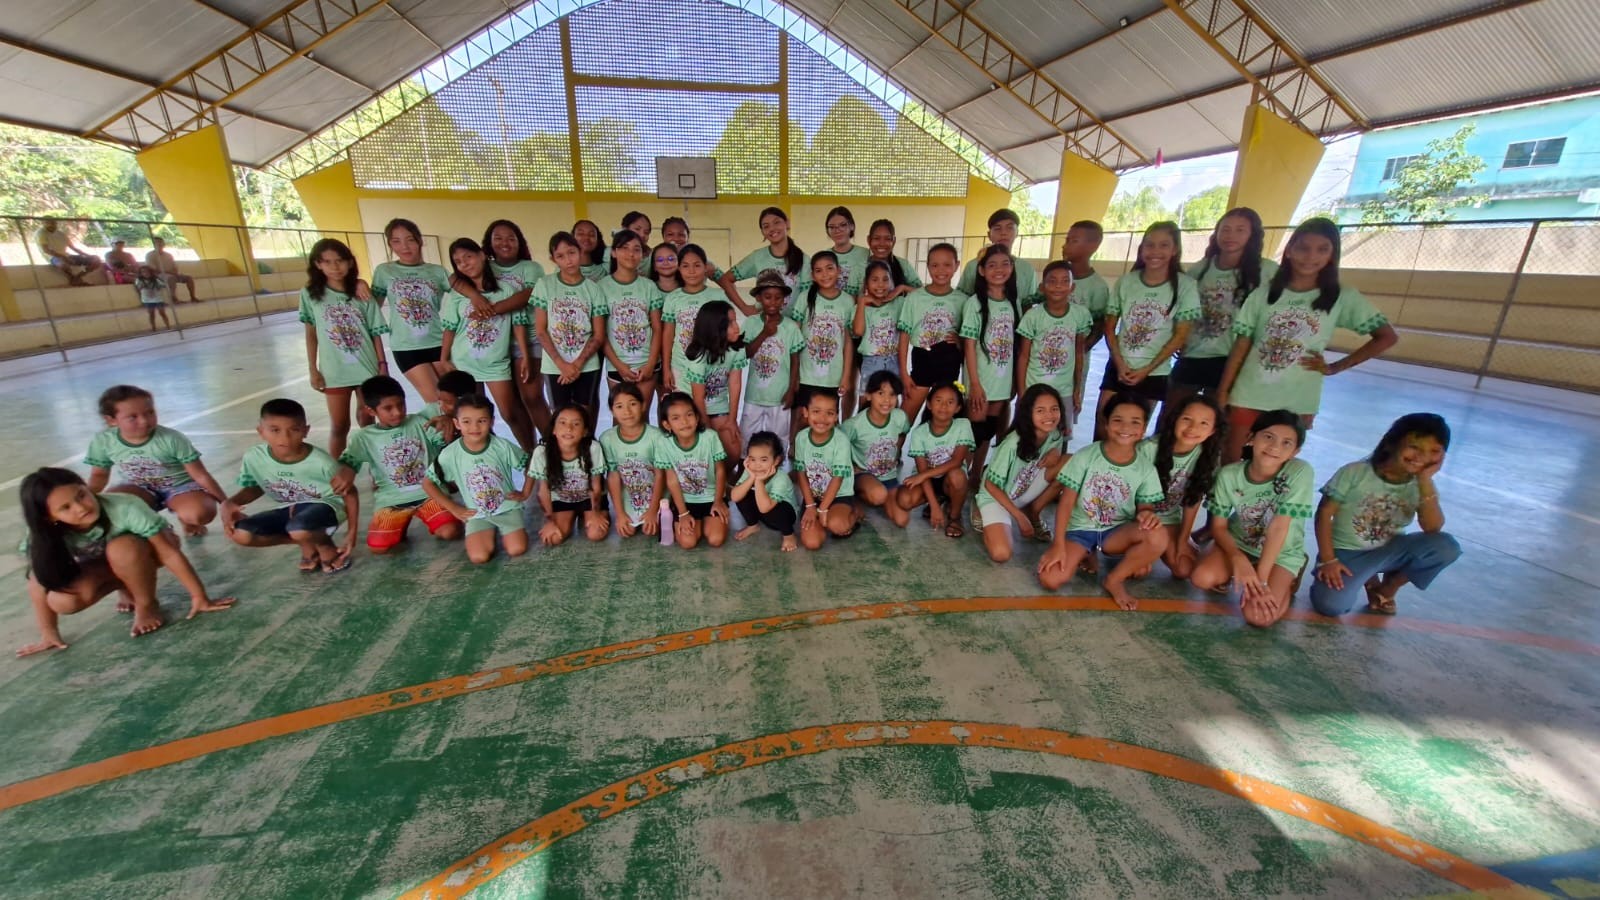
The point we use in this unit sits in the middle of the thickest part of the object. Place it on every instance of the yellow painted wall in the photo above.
(330, 196)
(983, 198)
(1085, 192)
(193, 176)
(1276, 162)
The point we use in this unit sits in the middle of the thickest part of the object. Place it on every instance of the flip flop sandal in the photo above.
(310, 564)
(1379, 605)
(339, 564)
(954, 530)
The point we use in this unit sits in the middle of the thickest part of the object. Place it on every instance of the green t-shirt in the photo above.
(595, 271)
(826, 326)
(681, 307)
(761, 259)
(119, 514)
(1371, 510)
(881, 336)
(481, 347)
(1250, 507)
(1027, 277)
(399, 458)
(634, 462)
(1170, 509)
(524, 273)
(906, 269)
(486, 478)
(715, 377)
(1212, 335)
(1282, 334)
(997, 345)
(938, 449)
(1109, 494)
(767, 379)
(1012, 474)
(1146, 317)
(875, 449)
(157, 465)
(570, 311)
(696, 466)
(413, 295)
(345, 329)
(1093, 294)
(820, 463)
(852, 269)
(574, 485)
(1053, 351)
(930, 318)
(628, 309)
(289, 483)
(779, 487)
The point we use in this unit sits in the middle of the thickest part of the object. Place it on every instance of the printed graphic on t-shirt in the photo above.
(936, 325)
(574, 486)
(1054, 350)
(1216, 311)
(346, 329)
(1103, 498)
(938, 456)
(818, 474)
(638, 479)
(288, 490)
(716, 385)
(150, 474)
(1141, 324)
(883, 457)
(488, 489)
(1254, 519)
(1374, 520)
(482, 335)
(882, 337)
(569, 327)
(405, 461)
(824, 337)
(1287, 332)
(768, 359)
(1174, 497)
(1025, 477)
(629, 327)
(693, 476)
(1001, 339)
(413, 301)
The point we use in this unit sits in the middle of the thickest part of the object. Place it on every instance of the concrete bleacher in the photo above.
(102, 312)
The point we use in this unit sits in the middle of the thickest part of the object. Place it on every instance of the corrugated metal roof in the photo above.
(1158, 83)
(1037, 162)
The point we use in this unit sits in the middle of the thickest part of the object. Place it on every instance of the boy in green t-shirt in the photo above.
(300, 478)
(1090, 291)
(398, 449)
(484, 466)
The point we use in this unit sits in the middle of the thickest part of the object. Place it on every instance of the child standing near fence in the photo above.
(413, 290)
(344, 335)
(1231, 270)
(152, 296)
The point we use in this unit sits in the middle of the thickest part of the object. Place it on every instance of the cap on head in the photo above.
(770, 278)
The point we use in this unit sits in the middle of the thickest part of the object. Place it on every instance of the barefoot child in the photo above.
(939, 448)
(159, 464)
(822, 469)
(930, 330)
(765, 493)
(1020, 481)
(714, 372)
(152, 296)
(772, 344)
(82, 546)
(344, 335)
(484, 466)
(1361, 523)
(1186, 452)
(696, 479)
(876, 435)
(1053, 343)
(299, 478)
(399, 449)
(1108, 498)
(634, 482)
(1258, 511)
(569, 468)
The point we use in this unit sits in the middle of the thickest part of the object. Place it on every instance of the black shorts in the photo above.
(1153, 389)
(295, 517)
(698, 511)
(1201, 373)
(613, 378)
(585, 391)
(559, 506)
(937, 365)
(802, 395)
(406, 360)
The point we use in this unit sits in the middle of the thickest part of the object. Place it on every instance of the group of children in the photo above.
(762, 413)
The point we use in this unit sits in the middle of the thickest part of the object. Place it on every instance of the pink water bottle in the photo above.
(665, 518)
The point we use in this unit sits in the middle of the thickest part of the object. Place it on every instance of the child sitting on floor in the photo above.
(569, 468)
(299, 477)
(765, 495)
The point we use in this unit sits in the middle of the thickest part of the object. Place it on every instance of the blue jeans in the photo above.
(1419, 555)
(886, 362)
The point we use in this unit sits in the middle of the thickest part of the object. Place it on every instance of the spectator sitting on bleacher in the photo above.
(121, 267)
(167, 267)
(73, 261)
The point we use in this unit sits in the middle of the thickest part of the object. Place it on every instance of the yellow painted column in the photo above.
(983, 198)
(193, 176)
(330, 196)
(1085, 192)
(1276, 162)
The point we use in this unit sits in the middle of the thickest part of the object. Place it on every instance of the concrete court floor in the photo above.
(928, 744)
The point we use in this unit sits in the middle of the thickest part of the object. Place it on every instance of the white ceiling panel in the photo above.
(1314, 27)
(1038, 162)
(61, 95)
(1001, 120)
(940, 76)
(301, 94)
(377, 50)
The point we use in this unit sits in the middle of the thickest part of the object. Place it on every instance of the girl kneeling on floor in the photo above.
(1019, 483)
(1187, 453)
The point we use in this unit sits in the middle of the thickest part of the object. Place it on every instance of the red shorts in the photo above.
(388, 525)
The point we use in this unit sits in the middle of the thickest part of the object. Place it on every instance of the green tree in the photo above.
(747, 156)
(611, 156)
(269, 201)
(1202, 211)
(1136, 211)
(1431, 185)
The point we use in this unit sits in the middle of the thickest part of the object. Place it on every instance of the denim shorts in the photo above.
(295, 517)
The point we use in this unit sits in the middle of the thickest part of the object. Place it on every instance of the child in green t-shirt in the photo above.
(1019, 483)
(569, 468)
(989, 343)
(82, 546)
(822, 471)
(160, 466)
(876, 322)
(486, 335)
(483, 466)
(1362, 542)
(772, 345)
(1108, 497)
(632, 479)
(824, 312)
(714, 371)
(696, 479)
(344, 334)
(1148, 318)
(1003, 227)
(1053, 343)
(412, 290)
(765, 494)
(939, 447)
(876, 435)
(1187, 451)
(1090, 291)
(1258, 510)
(300, 478)
(398, 449)
(569, 322)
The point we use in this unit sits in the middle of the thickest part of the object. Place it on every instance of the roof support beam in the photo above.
(169, 111)
(1086, 134)
(1291, 88)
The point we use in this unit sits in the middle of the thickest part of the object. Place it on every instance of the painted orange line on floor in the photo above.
(486, 864)
(184, 749)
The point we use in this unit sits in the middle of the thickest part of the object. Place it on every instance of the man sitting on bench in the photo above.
(167, 267)
(63, 253)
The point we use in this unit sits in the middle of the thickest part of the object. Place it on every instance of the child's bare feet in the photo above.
(789, 543)
(1090, 565)
(310, 564)
(746, 532)
(1119, 593)
(146, 621)
(124, 602)
(193, 530)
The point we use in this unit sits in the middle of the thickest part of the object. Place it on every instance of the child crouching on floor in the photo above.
(399, 449)
(299, 477)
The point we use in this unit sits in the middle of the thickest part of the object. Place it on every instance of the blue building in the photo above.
(1539, 161)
